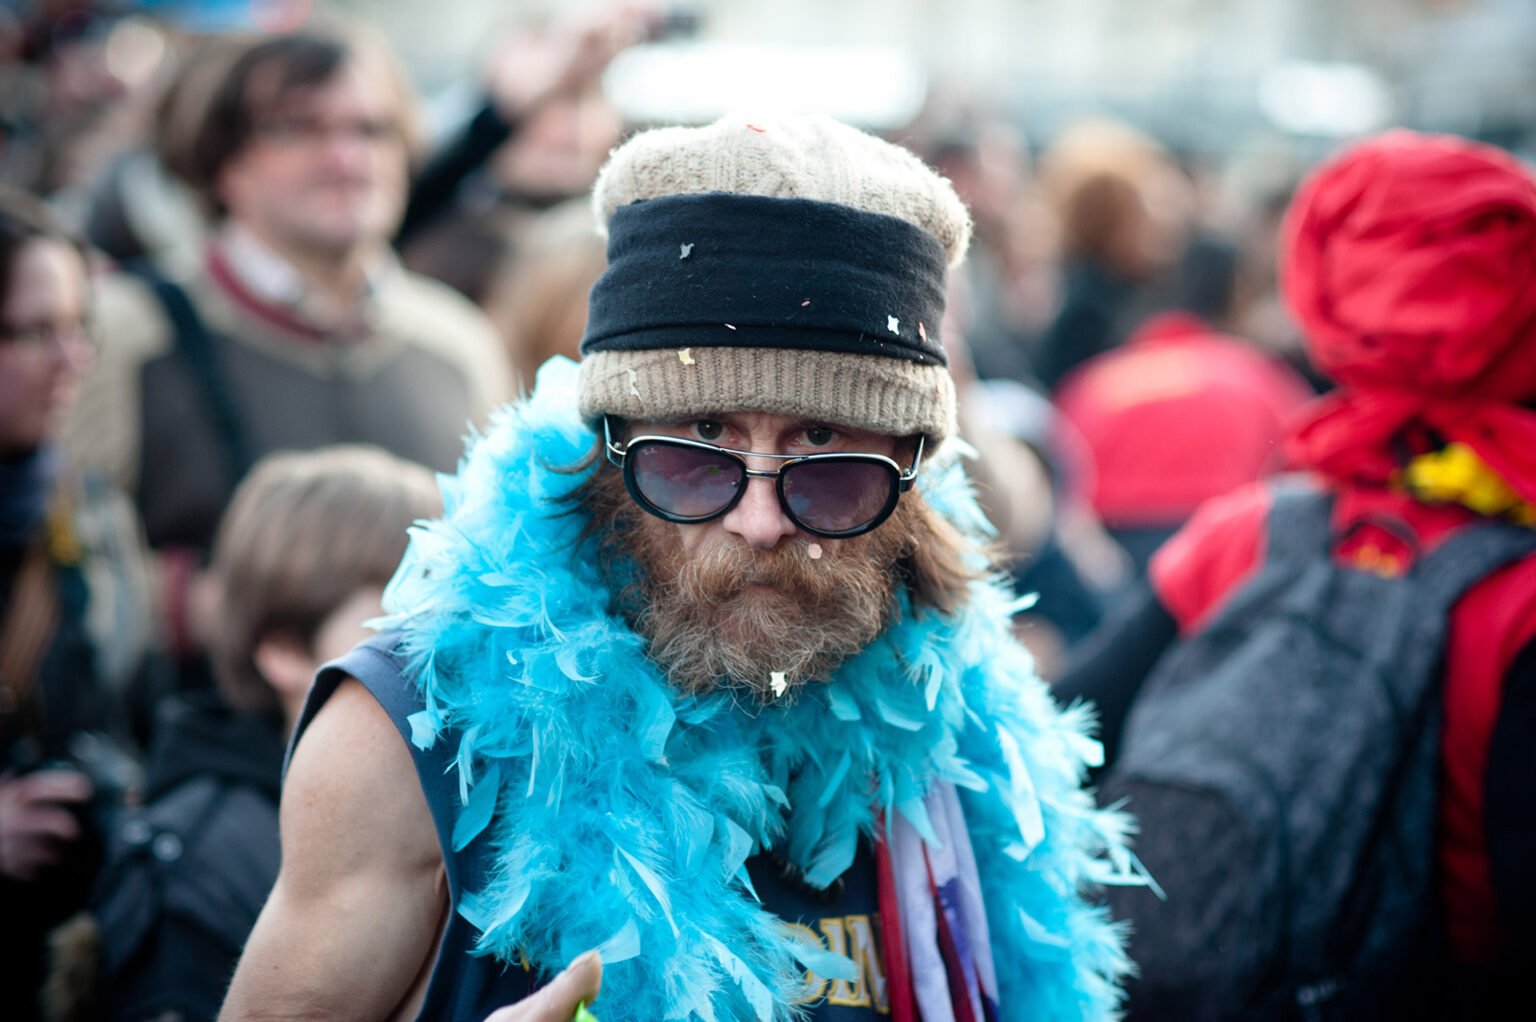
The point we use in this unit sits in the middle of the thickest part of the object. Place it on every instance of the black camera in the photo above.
(117, 779)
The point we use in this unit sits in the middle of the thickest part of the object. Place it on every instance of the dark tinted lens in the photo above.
(685, 481)
(838, 495)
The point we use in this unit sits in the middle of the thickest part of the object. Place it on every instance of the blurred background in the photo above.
(1124, 160)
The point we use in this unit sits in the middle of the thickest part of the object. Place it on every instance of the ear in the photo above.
(287, 664)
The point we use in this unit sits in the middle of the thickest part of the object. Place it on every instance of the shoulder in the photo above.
(1220, 547)
(1495, 620)
(352, 797)
(131, 329)
(431, 310)
(436, 319)
(128, 319)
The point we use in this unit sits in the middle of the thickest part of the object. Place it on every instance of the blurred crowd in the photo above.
(249, 301)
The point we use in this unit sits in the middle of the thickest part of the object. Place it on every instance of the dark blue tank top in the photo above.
(466, 987)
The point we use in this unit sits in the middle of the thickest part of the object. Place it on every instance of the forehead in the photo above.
(766, 427)
(46, 275)
(354, 81)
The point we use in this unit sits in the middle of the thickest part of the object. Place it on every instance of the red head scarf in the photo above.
(1410, 262)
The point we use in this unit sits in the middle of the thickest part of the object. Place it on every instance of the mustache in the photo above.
(729, 570)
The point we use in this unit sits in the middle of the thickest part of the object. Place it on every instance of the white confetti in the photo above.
(686, 357)
(729, 327)
(893, 324)
(687, 250)
(922, 331)
(634, 378)
(805, 303)
(813, 551)
(778, 684)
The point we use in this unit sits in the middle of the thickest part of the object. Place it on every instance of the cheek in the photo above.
(249, 180)
(693, 540)
(391, 171)
(668, 544)
(26, 402)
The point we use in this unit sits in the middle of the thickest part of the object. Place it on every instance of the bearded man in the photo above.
(702, 669)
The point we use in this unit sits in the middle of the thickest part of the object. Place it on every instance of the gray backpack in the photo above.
(1282, 765)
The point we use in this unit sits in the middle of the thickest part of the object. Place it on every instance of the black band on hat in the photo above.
(725, 270)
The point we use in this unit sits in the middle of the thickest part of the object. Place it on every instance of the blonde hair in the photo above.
(303, 533)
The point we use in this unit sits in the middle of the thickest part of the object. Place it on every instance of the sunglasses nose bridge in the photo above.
(759, 515)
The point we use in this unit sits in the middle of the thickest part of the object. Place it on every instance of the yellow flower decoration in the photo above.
(1456, 475)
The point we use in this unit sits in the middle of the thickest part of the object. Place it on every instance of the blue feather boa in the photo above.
(622, 814)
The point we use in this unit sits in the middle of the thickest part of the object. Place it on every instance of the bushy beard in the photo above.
(743, 618)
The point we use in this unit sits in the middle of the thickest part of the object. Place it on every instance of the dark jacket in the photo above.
(190, 871)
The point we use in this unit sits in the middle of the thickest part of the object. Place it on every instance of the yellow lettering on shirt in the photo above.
(866, 954)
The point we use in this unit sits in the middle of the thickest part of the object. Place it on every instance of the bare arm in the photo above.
(352, 922)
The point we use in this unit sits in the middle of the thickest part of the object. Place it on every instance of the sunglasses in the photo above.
(689, 482)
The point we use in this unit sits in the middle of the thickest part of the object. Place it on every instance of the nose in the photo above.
(758, 517)
(346, 147)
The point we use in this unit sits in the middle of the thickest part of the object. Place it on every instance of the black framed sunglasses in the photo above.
(835, 495)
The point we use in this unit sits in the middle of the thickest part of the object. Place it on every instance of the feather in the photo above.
(478, 810)
(823, 963)
(423, 729)
(757, 993)
(622, 946)
(653, 884)
(654, 720)
(834, 783)
(841, 703)
(1026, 802)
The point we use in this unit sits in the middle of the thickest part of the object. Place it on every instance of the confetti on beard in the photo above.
(764, 621)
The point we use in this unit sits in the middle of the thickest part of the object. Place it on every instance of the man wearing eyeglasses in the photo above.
(299, 327)
(699, 689)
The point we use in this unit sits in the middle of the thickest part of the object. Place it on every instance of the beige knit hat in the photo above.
(780, 264)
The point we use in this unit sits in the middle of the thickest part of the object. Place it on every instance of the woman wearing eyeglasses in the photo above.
(73, 607)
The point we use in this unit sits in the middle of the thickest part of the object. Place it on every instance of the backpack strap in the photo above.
(196, 348)
(1472, 554)
(1300, 520)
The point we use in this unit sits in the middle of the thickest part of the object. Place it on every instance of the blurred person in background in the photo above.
(301, 560)
(540, 132)
(1001, 299)
(1126, 211)
(74, 607)
(141, 211)
(1018, 481)
(71, 92)
(1410, 262)
(1011, 272)
(299, 328)
(1149, 411)
(538, 300)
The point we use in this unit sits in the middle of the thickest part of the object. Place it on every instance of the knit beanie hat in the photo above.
(792, 265)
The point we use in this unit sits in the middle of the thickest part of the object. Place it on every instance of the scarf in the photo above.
(1410, 263)
(26, 486)
(621, 813)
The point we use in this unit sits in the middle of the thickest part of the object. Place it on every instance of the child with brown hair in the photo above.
(300, 563)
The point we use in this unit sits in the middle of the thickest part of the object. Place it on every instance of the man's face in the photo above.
(749, 598)
(324, 172)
